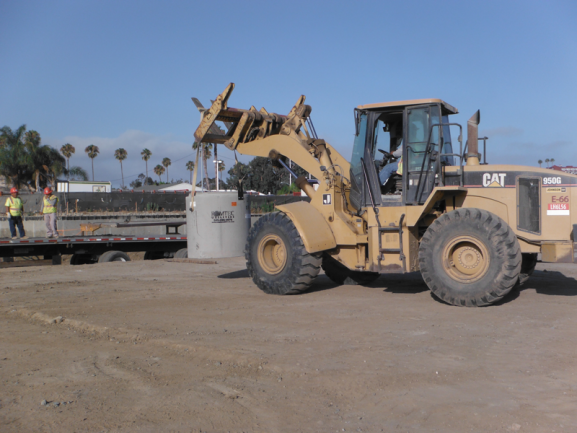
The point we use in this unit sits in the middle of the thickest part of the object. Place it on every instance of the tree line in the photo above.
(24, 161)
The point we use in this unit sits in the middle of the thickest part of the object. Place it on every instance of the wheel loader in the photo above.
(474, 230)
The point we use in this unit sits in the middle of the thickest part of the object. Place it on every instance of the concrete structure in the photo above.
(218, 226)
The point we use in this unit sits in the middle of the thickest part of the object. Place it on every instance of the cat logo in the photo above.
(494, 180)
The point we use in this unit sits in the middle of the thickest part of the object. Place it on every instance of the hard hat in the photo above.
(47, 190)
(13, 190)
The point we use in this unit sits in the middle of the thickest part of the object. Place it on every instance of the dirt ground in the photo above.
(161, 346)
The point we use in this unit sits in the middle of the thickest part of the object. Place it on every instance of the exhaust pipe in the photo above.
(472, 139)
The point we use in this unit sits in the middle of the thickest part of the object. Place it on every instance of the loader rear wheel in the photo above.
(340, 274)
(276, 258)
(527, 267)
(470, 258)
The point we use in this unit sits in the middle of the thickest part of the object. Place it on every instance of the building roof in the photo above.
(402, 104)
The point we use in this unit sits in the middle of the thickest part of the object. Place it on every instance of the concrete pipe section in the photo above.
(218, 226)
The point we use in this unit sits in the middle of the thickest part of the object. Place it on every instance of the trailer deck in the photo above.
(88, 248)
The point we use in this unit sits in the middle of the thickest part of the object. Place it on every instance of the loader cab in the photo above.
(420, 128)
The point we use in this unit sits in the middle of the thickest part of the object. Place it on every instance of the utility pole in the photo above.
(215, 166)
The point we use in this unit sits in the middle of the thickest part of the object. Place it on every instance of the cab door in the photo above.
(422, 135)
(365, 188)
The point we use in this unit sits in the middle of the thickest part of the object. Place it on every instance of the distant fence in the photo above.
(82, 202)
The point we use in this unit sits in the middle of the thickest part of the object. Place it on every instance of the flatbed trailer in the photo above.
(90, 249)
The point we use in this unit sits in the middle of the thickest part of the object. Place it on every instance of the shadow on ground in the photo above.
(551, 283)
(234, 275)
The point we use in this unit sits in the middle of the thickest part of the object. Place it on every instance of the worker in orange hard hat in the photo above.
(14, 211)
(49, 208)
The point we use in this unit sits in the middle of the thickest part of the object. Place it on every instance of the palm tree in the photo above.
(190, 167)
(35, 154)
(67, 150)
(540, 162)
(221, 168)
(53, 163)
(121, 155)
(206, 154)
(77, 173)
(92, 152)
(166, 162)
(159, 171)
(12, 158)
(146, 154)
(552, 160)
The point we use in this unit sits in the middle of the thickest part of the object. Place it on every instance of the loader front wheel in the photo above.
(470, 258)
(276, 258)
(340, 274)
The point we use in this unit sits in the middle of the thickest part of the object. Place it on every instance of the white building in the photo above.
(82, 186)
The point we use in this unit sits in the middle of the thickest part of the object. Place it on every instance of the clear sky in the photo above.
(121, 73)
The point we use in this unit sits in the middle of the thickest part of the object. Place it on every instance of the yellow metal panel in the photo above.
(557, 252)
(313, 228)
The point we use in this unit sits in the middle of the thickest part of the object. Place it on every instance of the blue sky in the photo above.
(121, 73)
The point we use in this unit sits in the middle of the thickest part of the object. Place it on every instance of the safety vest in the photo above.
(50, 204)
(400, 167)
(15, 206)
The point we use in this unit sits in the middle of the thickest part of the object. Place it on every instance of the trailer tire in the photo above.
(276, 258)
(82, 259)
(341, 275)
(156, 255)
(528, 264)
(470, 258)
(113, 256)
(181, 254)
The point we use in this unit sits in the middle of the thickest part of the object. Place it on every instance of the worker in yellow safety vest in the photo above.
(14, 211)
(49, 207)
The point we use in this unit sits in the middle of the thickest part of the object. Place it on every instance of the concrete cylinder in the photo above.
(218, 226)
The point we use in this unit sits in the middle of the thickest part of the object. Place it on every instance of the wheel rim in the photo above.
(272, 254)
(466, 259)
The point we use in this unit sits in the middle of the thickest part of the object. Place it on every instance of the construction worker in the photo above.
(14, 211)
(49, 205)
(393, 166)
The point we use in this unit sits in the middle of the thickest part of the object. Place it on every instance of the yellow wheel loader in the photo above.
(473, 230)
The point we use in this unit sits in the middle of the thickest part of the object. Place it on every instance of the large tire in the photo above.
(340, 274)
(276, 258)
(158, 255)
(470, 257)
(527, 267)
(181, 254)
(113, 256)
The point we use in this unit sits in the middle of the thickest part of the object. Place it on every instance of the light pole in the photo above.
(216, 163)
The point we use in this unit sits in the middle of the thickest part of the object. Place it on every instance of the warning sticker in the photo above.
(558, 209)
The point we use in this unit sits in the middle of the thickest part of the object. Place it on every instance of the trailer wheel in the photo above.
(470, 257)
(276, 258)
(158, 255)
(113, 256)
(82, 259)
(340, 274)
(527, 267)
(181, 254)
